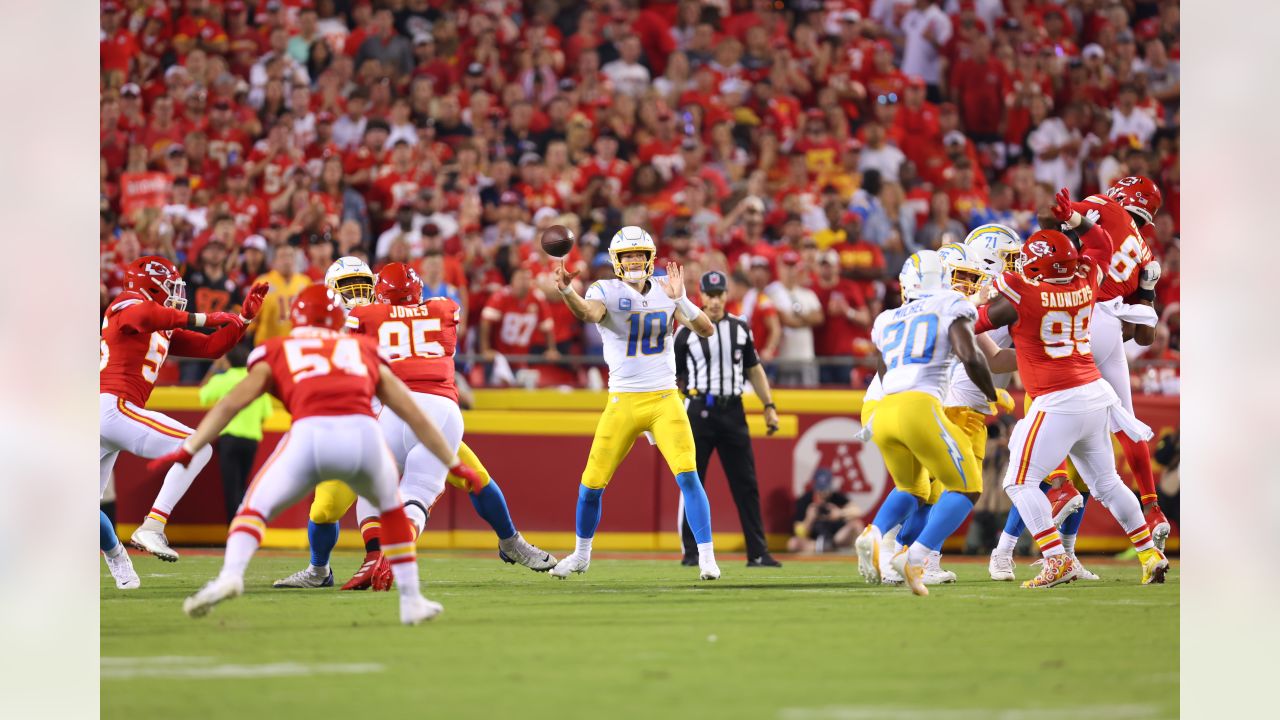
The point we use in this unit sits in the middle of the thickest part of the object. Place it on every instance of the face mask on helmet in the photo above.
(967, 279)
(177, 289)
(634, 265)
(354, 289)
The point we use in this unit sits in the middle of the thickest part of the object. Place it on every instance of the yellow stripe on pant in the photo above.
(334, 498)
(625, 416)
(915, 435)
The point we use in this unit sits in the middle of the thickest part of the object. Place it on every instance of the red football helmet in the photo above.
(1049, 255)
(318, 306)
(398, 284)
(157, 278)
(1138, 195)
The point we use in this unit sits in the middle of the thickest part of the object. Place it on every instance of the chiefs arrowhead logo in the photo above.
(156, 268)
(1040, 248)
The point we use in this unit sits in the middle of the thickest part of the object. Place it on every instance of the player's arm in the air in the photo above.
(586, 310)
(394, 395)
(1148, 276)
(144, 318)
(965, 347)
(688, 314)
(186, 343)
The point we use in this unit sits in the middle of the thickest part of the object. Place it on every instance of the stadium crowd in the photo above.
(805, 147)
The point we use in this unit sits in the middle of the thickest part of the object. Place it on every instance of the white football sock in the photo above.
(583, 548)
(705, 552)
(1006, 544)
(178, 480)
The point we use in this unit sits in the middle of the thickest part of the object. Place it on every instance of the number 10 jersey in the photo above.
(915, 343)
(636, 331)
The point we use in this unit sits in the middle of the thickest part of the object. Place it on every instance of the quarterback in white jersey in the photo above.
(637, 316)
(915, 344)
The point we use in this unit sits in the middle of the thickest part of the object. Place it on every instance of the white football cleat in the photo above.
(154, 542)
(121, 568)
(889, 546)
(707, 569)
(573, 563)
(912, 575)
(214, 592)
(1083, 573)
(1160, 535)
(516, 550)
(305, 578)
(933, 572)
(868, 547)
(1000, 567)
(890, 576)
(416, 608)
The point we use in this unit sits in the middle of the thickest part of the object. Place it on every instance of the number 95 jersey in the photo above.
(915, 343)
(636, 331)
(418, 340)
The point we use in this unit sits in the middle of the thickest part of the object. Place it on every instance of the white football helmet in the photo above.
(967, 276)
(630, 239)
(923, 272)
(995, 248)
(351, 278)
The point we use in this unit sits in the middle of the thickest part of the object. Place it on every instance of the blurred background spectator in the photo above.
(259, 139)
(825, 519)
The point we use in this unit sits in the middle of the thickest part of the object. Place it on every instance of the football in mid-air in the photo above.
(557, 240)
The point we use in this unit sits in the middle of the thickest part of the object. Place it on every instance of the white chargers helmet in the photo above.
(995, 248)
(967, 276)
(630, 239)
(923, 272)
(351, 278)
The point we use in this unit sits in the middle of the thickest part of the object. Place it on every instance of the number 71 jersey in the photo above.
(915, 341)
(418, 340)
(636, 331)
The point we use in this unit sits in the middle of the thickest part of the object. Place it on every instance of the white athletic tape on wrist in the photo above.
(686, 306)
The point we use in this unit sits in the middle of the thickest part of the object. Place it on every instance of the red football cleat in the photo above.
(374, 573)
(1159, 526)
(1066, 499)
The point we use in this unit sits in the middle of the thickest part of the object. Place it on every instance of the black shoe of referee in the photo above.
(689, 561)
(765, 560)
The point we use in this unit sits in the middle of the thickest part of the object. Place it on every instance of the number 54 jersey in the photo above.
(636, 331)
(915, 343)
(418, 340)
(316, 371)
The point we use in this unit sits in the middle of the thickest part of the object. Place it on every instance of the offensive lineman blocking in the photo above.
(635, 316)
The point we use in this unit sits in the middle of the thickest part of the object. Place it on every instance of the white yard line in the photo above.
(867, 712)
(126, 668)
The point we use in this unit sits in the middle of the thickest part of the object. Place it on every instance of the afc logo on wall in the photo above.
(857, 466)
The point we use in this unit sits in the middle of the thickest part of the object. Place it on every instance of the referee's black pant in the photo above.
(723, 427)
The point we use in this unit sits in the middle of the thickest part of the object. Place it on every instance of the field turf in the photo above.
(641, 638)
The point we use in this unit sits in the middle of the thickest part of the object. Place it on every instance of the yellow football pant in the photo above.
(334, 498)
(914, 433)
(935, 487)
(628, 414)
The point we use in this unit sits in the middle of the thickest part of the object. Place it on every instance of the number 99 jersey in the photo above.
(636, 331)
(418, 340)
(915, 343)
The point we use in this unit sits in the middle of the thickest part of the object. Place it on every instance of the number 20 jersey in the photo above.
(636, 331)
(915, 343)
(315, 371)
(418, 340)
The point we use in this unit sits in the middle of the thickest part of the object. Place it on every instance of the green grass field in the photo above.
(642, 638)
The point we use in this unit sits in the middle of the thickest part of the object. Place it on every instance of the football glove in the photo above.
(1062, 211)
(468, 474)
(162, 464)
(253, 301)
(1004, 400)
(1149, 276)
(218, 319)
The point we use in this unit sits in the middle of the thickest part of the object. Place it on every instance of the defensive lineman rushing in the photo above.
(140, 328)
(636, 316)
(1048, 308)
(327, 382)
(419, 337)
(915, 344)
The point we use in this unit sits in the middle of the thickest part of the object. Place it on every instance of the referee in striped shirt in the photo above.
(710, 372)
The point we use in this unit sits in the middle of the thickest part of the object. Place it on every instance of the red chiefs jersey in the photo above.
(419, 341)
(138, 334)
(1131, 249)
(1051, 335)
(515, 319)
(275, 172)
(315, 371)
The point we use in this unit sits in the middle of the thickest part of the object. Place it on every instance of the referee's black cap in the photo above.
(714, 282)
